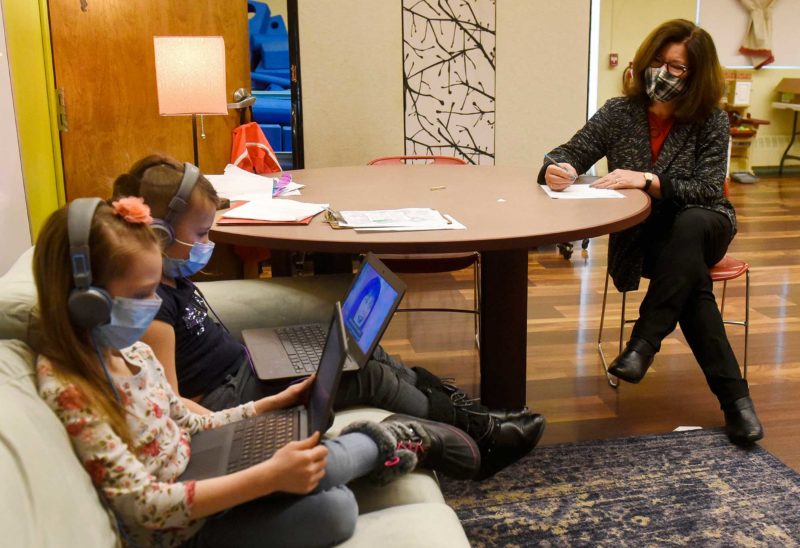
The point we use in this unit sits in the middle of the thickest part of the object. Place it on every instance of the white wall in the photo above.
(351, 60)
(14, 225)
(625, 23)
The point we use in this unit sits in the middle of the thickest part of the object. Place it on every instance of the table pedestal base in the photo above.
(504, 314)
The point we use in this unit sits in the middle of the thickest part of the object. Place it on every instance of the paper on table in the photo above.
(581, 192)
(379, 218)
(275, 210)
(452, 225)
(235, 183)
(291, 189)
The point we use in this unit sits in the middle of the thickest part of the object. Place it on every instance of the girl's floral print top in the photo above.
(140, 482)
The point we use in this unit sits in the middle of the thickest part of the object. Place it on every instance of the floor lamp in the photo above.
(190, 76)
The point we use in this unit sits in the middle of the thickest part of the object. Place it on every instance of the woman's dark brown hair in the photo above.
(156, 179)
(704, 82)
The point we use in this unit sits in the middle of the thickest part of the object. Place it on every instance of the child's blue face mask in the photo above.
(199, 256)
(130, 318)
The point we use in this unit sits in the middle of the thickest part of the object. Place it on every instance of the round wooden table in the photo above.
(506, 214)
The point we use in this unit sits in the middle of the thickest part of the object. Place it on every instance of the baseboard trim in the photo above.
(772, 171)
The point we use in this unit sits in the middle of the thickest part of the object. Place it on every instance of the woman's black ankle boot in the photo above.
(741, 423)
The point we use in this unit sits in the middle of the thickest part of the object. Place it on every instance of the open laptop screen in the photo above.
(368, 303)
(320, 401)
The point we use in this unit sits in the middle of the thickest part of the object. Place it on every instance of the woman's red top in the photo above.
(659, 129)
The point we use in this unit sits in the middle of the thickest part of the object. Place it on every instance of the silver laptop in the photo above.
(289, 352)
(237, 446)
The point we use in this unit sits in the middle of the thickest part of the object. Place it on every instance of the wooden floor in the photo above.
(565, 381)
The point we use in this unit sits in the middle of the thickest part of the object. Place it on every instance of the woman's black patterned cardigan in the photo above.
(691, 168)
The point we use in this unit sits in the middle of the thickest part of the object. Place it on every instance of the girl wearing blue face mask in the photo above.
(210, 368)
(132, 432)
(668, 137)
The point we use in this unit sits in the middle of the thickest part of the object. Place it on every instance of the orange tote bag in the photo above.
(252, 151)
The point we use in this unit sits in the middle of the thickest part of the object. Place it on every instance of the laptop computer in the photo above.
(290, 352)
(237, 446)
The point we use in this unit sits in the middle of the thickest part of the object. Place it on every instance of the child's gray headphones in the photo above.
(164, 228)
(88, 306)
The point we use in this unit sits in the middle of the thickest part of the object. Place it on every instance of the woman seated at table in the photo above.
(666, 136)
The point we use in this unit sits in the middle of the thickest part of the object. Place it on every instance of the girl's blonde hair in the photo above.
(114, 244)
(156, 179)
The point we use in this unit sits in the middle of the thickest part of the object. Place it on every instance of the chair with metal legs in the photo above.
(430, 263)
(727, 269)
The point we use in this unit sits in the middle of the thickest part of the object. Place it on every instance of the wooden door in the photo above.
(104, 63)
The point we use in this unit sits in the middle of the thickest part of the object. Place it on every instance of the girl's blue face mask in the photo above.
(130, 318)
(199, 256)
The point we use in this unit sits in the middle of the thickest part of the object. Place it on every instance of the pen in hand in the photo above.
(562, 168)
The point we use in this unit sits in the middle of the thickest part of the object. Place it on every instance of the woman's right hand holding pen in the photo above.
(559, 176)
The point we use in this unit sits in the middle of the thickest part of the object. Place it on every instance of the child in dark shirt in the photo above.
(211, 370)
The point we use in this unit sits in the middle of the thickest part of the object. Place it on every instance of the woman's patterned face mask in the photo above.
(661, 86)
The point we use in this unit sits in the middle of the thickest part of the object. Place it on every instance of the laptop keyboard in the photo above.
(258, 438)
(303, 345)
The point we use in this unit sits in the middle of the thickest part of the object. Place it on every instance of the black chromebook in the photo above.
(242, 444)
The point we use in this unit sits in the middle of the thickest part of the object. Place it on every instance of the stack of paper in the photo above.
(275, 211)
(239, 184)
(397, 220)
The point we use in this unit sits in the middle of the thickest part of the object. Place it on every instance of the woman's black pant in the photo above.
(680, 250)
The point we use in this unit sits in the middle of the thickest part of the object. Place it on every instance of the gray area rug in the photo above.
(676, 489)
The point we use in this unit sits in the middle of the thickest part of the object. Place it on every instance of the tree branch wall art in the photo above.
(449, 78)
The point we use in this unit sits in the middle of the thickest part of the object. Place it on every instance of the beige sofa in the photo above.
(47, 498)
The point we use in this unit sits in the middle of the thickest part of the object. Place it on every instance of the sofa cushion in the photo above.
(241, 304)
(247, 304)
(47, 498)
(425, 524)
(18, 301)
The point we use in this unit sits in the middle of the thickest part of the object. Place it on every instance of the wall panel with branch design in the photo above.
(449, 78)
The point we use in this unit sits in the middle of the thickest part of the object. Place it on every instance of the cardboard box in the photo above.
(738, 85)
(788, 90)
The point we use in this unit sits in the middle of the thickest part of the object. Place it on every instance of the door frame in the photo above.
(298, 152)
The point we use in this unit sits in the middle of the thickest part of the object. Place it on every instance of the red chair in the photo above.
(413, 159)
(727, 269)
(430, 263)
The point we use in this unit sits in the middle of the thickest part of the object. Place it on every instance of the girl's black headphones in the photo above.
(164, 228)
(88, 306)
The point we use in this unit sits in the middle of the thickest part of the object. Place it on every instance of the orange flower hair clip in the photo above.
(133, 209)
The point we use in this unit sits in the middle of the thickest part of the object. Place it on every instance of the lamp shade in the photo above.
(190, 75)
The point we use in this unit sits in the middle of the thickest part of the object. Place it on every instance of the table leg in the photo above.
(788, 148)
(281, 263)
(504, 315)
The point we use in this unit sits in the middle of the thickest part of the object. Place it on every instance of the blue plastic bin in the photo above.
(274, 134)
(273, 107)
(286, 133)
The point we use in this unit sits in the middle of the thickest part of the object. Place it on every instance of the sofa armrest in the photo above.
(246, 304)
(18, 310)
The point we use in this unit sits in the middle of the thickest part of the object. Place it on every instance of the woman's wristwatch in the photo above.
(648, 180)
